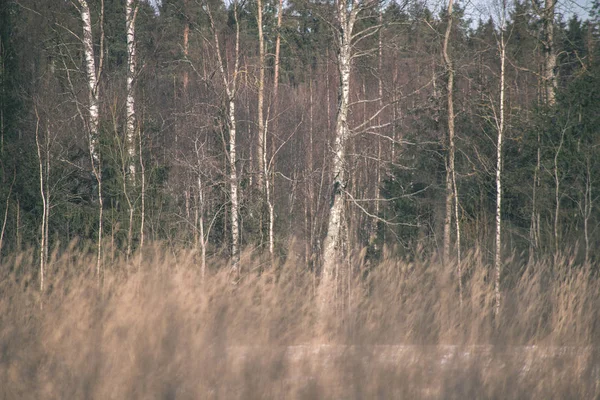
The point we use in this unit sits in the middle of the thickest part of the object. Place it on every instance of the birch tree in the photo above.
(264, 183)
(129, 181)
(43, 153)
(92, 120)
(262, 134)
(230, 78)
(451, 190)
(270, 167)
(346, 14)
(131, 10)
(549, 67)
(500, 128)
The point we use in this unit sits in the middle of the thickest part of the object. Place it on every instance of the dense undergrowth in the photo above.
(155, 329)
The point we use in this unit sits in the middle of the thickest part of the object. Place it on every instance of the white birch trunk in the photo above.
(346, 18)
(451, 146)
(270, 168)
(230, 84)
(550, 78)
(498, 255)
(92, 80)
(202, 240)
(93, 111)
(143, 198)
(262, 133)
(131, 10)
(43, 175)
(235, 232)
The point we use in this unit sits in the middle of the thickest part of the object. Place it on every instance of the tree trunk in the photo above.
(43, 174)
(557, 193)
(270, 167)
(331, 251)
(262, 134)
(143, 195)
(231, 91)
(587, 210)
(374, 222)
(131, 10)
(93, 110)
(498, 255)
(186, 39)
(202, 239)
(451, 147)
(235, 233)
(534, 232)
(550, 80)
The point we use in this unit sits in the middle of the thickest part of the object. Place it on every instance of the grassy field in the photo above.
(156, 330)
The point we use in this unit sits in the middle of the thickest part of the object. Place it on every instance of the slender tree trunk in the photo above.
(235, 234)
(270, 167)
(263, 179)
(534, 232)
(498, 255)
(550, 79)
(92, 80)
(262, 133)
(451, 146)
(231, 91)
(143, 193)
(458, 240)
(18, 238)
(93, 110)
(202, 240)
(131, 11)
(373, 233)
(311, 190)
(43, 178)
(557, 193)
(587, 210)
(331, 251)
(186, 39)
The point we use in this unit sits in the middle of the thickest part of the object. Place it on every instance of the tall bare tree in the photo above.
(451, 147)
(499, 160)
(129, 181)
(93, 107)
(346, 14)
(131, 10)
(550, 60)
(262, 133)
(451, 189)
(43, 153)
(230, 81)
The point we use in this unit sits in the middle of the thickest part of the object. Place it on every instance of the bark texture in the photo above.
(346, 15)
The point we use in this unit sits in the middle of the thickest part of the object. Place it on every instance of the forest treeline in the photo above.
(305, 129)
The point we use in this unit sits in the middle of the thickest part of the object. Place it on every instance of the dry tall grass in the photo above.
(158, 332)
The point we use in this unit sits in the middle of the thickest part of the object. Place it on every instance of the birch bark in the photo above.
(262, 133)
(230, 84)
(549, 53)
(451, 146)
(346, 15)
(93, 110)
(270, 168)
(500, 126)
(131, 10)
